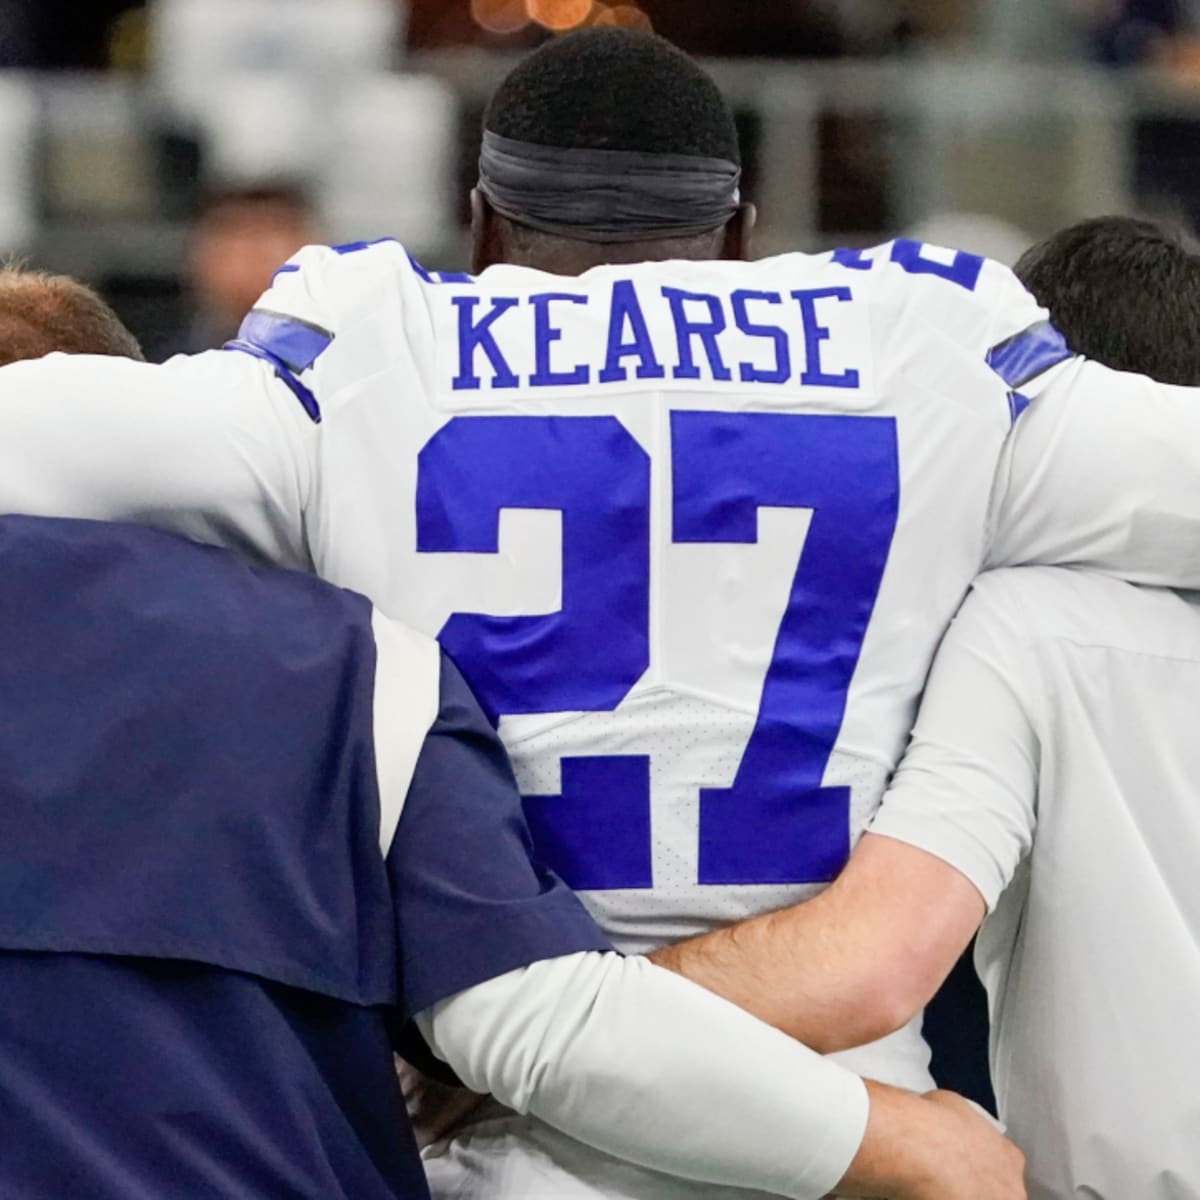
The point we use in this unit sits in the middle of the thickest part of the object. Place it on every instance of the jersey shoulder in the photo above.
(328, 283)
(939, 300)
(966, 297)
(334, 315)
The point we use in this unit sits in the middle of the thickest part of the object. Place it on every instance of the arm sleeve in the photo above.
(638, 1062)
(966, 788)
(215, 447)
(1103, 471)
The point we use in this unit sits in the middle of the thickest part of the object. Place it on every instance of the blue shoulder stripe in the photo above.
(1026, 355)
(296, 343)
(289, 345)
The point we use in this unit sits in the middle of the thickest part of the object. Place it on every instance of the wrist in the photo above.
(895, 1159)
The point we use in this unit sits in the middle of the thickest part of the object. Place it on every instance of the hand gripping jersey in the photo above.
(691, 530)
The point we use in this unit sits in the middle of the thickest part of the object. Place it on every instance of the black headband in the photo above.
(607, 195)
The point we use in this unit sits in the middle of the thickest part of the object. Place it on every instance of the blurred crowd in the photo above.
(137, 169)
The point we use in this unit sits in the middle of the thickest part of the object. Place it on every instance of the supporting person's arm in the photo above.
(851, 965)
(859, 960)
(638, 1063)
(1101, 468)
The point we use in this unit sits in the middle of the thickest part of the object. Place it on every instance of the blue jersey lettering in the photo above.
(477, 335)
(627, 312)
(545, 335)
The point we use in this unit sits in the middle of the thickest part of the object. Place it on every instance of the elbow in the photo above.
(886, 1006)
(870, 1007)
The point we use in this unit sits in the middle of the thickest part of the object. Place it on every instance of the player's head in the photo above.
(608, 146)
(41, 314)
(1122, 291)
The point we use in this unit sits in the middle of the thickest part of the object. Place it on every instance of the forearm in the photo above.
(642, 1065)
(851, 965)
(796, 969)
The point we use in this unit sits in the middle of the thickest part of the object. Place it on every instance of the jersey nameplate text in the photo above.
(649, 336)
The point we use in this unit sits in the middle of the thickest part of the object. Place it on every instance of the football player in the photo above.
(1051, 785)
(691, 526)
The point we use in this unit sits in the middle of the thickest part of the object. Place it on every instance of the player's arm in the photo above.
(862, 958)
(215, 447)
(1103, 471)
(1101, 468)
(220, 446)
(514, 987)
(851, 965)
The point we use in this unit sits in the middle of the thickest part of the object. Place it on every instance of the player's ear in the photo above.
(739, 234)
(488, 245)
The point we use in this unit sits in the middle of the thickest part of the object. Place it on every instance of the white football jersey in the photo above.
(691, 530)
(1065, 703)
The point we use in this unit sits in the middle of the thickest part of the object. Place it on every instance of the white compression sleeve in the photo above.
(638, 1062)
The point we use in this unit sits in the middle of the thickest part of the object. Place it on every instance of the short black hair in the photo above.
(1124, 291)
(615, 89)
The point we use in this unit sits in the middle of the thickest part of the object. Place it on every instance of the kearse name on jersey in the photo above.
(649, 335)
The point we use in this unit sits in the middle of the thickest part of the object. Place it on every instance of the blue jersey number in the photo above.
(776, 823)
(587, 656)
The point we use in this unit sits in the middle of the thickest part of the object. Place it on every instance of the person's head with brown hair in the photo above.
(41, 314)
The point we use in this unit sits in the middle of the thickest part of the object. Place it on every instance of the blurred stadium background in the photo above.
(171, 151)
